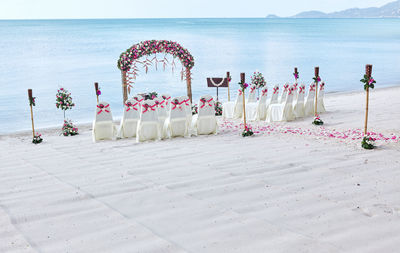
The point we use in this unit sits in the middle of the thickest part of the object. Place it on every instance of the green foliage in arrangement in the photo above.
(247, 131)
(368, 82)
(69, 128)
(368, 142)
(318, 121)
(218, 108)
(37, 138)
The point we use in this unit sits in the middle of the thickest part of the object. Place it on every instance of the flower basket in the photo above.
(69, 128)
(368, 142)
(218, 108)
(258, 80)
(37, 138)
(247, 131)
(318, 121)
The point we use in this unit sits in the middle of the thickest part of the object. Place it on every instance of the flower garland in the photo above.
(37, 138)
(32, 101)
(64, 100)
(149, 47)
(69, 128)
(258, 80)
(195, 109)
(218, 108)
(368, 82)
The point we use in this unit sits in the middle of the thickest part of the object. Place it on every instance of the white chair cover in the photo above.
(282, 112)
(227, 109)
(252, 94)
(103, 126)
(130, 118)
(296, 93)
(176, 124)
(275, 95)
(205, 122)
(282, 99)
(238, 110)
(298, 107)
(167, 99)
(148, 125)
(309, 104)
(262, 104)
(320, 101)
(187, 105)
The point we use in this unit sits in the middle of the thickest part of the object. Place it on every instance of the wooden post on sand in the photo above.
(243, 80)
(229, 93)
(96, 88)
(189, 84)
(124, 87)
(30, 99)
(295, 77)
(316, 91)
(368, 72)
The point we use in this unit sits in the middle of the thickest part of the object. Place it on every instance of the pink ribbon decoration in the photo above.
(321, 86)
(291, 91)
(102, 107)
(240, 92)
(295, 86)
(276, 90)
(301, 89)
(161, 104)
(204, 102)
(286, 86)
(264, 92)
(131, 106)
(252, 89)
(147, 107)
(176, 104)
(312, 86)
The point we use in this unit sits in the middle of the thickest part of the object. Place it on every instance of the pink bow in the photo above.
(176, 104)
(263, 92)
(276, 89)
(240, 92)
(321, 86)
(301, 89)
(312, 86)
(291, 91)
(161, 104)
(146, 107)
(295, 86)
(101, 107)
(204, 102)
(131, 106)
(252, 89)
(286, 86)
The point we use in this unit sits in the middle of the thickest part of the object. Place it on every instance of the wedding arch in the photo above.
(129, 62)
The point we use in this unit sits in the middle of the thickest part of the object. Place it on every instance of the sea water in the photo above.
(47, 54)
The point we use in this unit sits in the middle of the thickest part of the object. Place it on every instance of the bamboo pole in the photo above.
(316, 91)
(33, 125)
(124, 87)
(189, 84)
(229, 93)
(96, 88)
(368, 72)
(242, 80)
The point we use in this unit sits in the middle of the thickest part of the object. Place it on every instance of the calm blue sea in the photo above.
(48, 54)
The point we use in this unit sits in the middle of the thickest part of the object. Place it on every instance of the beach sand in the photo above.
(293, 187)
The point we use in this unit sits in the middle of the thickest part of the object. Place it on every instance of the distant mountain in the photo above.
(390, 10)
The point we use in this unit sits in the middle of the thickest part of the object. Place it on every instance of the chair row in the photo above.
(291, 104)
(156, 119)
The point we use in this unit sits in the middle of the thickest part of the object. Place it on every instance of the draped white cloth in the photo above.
(252, 94)
(296, 93)
(275, 95)
(298, 107)
(238, 109)
(320, 101)
(282, 99)
(309, 104)
(205, 121)
(167, 99)
(262, 105)
(282, 112)
(187, 105)
(130, 118)
(177, 124)
(148, 125)
(227, 109)
(103, 126)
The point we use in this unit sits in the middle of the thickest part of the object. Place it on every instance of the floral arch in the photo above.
(129, 62)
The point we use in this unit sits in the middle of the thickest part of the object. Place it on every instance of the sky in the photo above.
(73, 9)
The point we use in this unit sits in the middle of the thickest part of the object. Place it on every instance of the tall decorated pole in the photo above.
(31, 103)
(189, 84)
(369, 82)
(228, 77)
(243, 85)
(98, 92)
(296, 74)
(317, 79)
(124, 87)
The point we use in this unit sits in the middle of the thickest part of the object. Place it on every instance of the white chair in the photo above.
(252, 94)
(298, 107)
(275, 95)
(130, 118)
(320, 101)
(262, 104)
(238, 109)
(282, 112)
(309, 104)
(295, 96)
(187, 105)
(176, 124)
(103, 126)
(205, 122)
(167, 99)
(282, 99)
(148, 125)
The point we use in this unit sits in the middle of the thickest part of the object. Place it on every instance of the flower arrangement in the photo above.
(296, 75)
(317, 79)
(69, 128)
(258, 80)
(37, 138)
(369, 82)
(248, 131)
(32, 101)
(243, 86)
(218, 108)
(155, 46)
(150, 95)
(318, 121)
(368, 142)
(195, 109)
(64, 100)
(98, 92)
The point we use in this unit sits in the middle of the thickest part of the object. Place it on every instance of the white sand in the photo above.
(277, 192)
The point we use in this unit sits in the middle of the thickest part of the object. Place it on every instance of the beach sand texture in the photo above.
(276, 192)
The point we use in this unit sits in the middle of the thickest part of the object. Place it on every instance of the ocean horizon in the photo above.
(48, 54)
